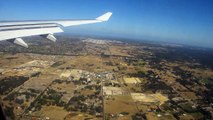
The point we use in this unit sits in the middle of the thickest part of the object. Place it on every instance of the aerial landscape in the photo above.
(90, 78)
(106, 60)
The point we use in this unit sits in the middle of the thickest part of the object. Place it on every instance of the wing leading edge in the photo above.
(14, 31)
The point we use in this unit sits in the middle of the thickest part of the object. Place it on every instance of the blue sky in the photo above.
(175, 21)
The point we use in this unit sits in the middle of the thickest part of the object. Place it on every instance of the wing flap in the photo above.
(11, 34)
(26, 26)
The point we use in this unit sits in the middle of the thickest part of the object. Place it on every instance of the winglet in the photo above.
(104, 17)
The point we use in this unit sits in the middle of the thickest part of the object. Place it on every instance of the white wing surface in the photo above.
(15, 31)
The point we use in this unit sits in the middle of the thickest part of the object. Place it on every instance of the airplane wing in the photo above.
(14, 31)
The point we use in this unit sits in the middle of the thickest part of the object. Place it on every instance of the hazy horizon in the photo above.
(179, 21)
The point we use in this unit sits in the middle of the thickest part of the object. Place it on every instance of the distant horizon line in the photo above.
(132, 39)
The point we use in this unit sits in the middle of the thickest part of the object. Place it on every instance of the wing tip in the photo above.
(104, 17)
